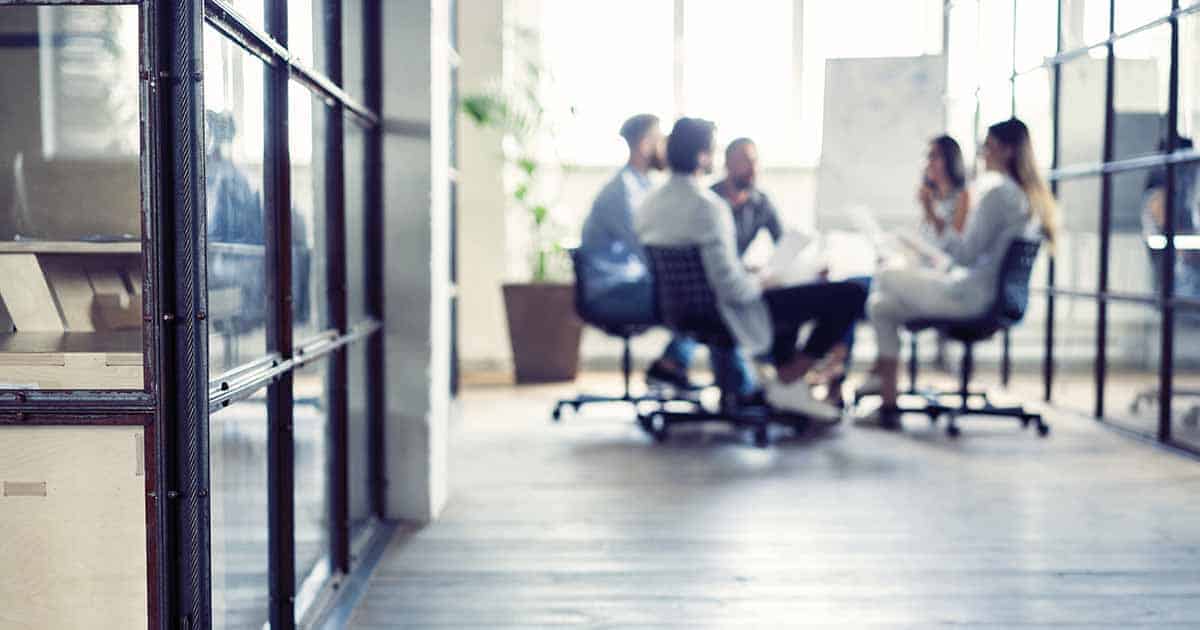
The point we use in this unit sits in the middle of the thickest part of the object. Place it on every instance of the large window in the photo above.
(757, 69)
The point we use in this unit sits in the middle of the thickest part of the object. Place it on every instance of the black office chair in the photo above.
(625, 330)
(687, 305)
(1012, 297)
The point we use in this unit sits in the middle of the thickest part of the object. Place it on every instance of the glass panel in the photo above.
(354, 78)
(1130, 14)
(1143, 72)
(1035, 106)
(761, 31)
(1185, 400)
(359, 449)
(1131, 386)
(995, 40)
(70, 229)
(1189, 75)
(253, 10)
(1081, 129)
(995, 105)
(307, 118)
(238, 465)
(356, 200)
(1027, 349)
(311, 426)
(1075, 354)
(962, 74)
(1078, 251)
(1037, 32)
(306, 32)
(234, 124)
(1186, 211)
(960, 113)
(1084, 22)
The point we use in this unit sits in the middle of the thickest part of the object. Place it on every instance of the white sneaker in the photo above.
(871, 386)
(797, 398)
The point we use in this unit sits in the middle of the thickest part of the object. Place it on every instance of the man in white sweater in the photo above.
(764, 320)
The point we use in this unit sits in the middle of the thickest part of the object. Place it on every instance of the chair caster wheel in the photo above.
(761, 438)
(1043, 430)
(1025, 422)
(933, 418)
(556, 415)
(953, 431)
(655, 426)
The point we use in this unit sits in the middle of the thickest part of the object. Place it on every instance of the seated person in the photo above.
(762, 319)
(1018, 205)
(943, 193)
(1187, 218)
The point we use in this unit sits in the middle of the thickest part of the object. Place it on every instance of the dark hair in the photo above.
(952, 157)
(636, 127)
(689, 138)
(735, 145)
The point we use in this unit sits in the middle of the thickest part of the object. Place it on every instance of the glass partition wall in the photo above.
(1111, 94)
(190, 252)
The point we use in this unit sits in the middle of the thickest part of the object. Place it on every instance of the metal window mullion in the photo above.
(1166, 370)
(1055, 158)
(1105, 228)
(1005, 337)
(281, 469)
(180, 311)
(335, 234)
(374, 242)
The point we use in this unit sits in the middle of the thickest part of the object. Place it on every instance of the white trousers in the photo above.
(900, 295)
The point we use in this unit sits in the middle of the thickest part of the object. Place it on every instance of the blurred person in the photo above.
(1017, 203)
(762, 318)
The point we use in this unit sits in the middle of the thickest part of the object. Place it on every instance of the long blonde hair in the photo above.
(1022, 167)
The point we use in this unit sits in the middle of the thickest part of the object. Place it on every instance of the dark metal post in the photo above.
(1101, 362)
(374, 220)
(180, 312)
(1166, 369)
(281, 464)
(335, 246)
(1056, 114)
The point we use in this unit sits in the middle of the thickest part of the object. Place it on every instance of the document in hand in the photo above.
(797, 259)
(888, 245)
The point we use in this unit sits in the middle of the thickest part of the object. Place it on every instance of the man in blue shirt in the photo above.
(608, 232)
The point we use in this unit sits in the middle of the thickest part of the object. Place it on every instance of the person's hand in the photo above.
(925, 197)
(823, 274)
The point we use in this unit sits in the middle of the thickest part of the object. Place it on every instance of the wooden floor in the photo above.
(590, 524)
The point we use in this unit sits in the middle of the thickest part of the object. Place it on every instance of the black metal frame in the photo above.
(178, 396)
(1164, 301)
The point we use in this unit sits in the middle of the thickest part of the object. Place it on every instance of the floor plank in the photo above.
(589, 524)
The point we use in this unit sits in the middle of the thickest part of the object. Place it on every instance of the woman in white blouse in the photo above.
(1014, 201)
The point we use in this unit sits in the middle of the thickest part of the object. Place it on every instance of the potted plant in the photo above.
(542, 325)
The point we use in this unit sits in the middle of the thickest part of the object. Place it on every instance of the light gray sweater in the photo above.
(683, 212)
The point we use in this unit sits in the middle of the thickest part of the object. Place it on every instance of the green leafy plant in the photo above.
(517, 110)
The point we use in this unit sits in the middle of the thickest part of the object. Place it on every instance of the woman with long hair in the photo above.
(1014, 202)
(943, 193)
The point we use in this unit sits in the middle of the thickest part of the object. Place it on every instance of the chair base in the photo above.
(657, 395)
(758, 420)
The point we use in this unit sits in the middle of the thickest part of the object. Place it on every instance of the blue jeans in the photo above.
(731, 370)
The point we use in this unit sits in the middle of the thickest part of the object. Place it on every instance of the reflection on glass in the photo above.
(1037, 32)
(1077, 253)
(1081, 134)
(1137, 211)
(1084, 22)
(70, 208)
(306, 31)
(359, 436)
(1185, 402)
(311, 426)
(356, 228)
(1074, 353)
(1035, 106)
(234, 121)
(354, 78)
(238, 466)
(1130, 14)
(1131, 386)
(1189, 75)
(307, 117)
(1143, 70)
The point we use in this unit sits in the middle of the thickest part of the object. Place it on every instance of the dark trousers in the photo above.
(831, 306)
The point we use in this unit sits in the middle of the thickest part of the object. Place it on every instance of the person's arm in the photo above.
(771, 219)
(960, 211)
(992, 215)
(722, 266)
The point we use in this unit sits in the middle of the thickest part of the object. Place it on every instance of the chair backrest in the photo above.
(614, 294)
(1012, 287)
(686, 302)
